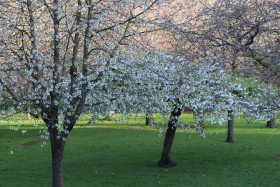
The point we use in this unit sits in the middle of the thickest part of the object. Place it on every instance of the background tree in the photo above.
(199, 87)
(242, 34)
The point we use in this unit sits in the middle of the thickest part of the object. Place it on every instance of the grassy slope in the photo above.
(127, 157)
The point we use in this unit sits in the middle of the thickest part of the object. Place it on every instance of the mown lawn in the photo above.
(111, 154)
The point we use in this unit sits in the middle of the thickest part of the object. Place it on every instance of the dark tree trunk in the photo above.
(230, 137)
(270, 123)
(169, 137)
(149, 118)
(57, 147)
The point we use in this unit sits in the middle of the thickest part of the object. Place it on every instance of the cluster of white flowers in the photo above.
(82, 62)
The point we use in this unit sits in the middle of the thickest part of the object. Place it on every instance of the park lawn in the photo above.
(112, 155)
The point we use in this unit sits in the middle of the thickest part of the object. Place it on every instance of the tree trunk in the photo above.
(149, 118)
(169, 137)
(270, 123)
(230, 138)
(57, 148)
(57, 168)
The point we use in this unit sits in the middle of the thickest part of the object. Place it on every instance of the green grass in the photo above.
(120, 156)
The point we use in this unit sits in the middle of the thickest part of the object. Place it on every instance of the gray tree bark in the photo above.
(57, 148)
(149, 118)
(230, 137)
